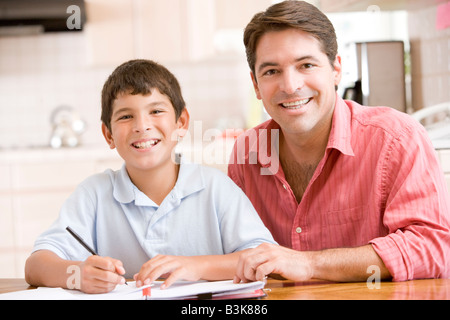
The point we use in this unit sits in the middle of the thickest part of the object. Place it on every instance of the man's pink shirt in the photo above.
(378, 183)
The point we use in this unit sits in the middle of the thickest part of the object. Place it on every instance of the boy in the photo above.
(153, 217)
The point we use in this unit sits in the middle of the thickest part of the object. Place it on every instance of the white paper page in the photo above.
(178, 290)
(121, 292)
(187, 289)
(38, 294)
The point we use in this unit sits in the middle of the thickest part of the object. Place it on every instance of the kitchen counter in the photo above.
(37, 154)
(211, 153)
(441, 143)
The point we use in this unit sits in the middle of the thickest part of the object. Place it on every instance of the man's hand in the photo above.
(340, 264)
(267, 259)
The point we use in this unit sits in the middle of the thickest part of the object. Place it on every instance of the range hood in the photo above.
(44, 15)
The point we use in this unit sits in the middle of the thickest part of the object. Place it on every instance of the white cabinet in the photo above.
(168, 31)
(33, 186)
(6, 225)
(164, 31)
(372, 5)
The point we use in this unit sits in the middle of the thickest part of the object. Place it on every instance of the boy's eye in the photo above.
(124, 117)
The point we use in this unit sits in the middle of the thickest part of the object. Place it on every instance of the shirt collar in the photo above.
(263, 143)
(340, 134)
(190, 180)
(268, 132)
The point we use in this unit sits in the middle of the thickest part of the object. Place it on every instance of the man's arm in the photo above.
(341, 264)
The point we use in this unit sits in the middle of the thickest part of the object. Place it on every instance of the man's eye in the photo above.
(270, 72)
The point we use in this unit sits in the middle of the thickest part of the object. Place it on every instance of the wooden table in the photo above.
(432, 289)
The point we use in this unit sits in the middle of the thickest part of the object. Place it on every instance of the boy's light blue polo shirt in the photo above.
(204, 214)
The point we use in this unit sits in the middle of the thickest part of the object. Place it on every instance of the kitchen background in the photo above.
(50, 78)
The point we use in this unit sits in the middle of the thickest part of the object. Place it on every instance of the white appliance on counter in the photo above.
(380, 75)
(67, 127)
(436, 120)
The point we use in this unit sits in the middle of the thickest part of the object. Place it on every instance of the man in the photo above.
(357, 189)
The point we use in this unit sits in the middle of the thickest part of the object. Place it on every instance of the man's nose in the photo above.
(291, 82)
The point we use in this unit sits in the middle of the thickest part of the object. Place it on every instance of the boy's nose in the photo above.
(141, 124)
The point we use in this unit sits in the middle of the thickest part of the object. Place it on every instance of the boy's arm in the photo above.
(96, 274)
(192, 268)
(45, 268)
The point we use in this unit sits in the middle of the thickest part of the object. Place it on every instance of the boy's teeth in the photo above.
(296, 104)
(144, 145)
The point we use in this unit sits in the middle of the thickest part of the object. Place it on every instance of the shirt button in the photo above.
(284, 186)
(298, 230)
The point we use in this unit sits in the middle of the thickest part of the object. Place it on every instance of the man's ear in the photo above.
(183, 123)
(108, 136)
(337, 65)
(255, 85)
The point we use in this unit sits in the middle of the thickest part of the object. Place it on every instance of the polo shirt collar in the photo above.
(190, 180)
(123, 187)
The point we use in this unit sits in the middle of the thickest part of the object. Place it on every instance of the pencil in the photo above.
(84, 244)
(81, 241)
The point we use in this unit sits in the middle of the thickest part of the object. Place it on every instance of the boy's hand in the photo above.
(101, 274)
(175, 267)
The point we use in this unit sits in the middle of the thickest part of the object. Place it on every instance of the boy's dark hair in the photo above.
(140, 77)
(291, 14)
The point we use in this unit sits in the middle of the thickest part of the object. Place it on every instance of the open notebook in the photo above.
(179, 290)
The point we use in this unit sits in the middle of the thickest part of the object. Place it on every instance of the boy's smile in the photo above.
(146, 144)
(144, 130)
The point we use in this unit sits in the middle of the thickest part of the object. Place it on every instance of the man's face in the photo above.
(296, 81)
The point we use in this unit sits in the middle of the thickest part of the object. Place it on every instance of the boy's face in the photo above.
(295, 81)
(144, 130)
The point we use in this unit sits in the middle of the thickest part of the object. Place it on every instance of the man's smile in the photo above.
(295, 104)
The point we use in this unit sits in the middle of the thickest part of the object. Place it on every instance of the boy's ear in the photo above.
(183, 122)
(108, 136)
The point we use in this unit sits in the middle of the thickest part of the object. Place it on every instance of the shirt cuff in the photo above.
(389, 251)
